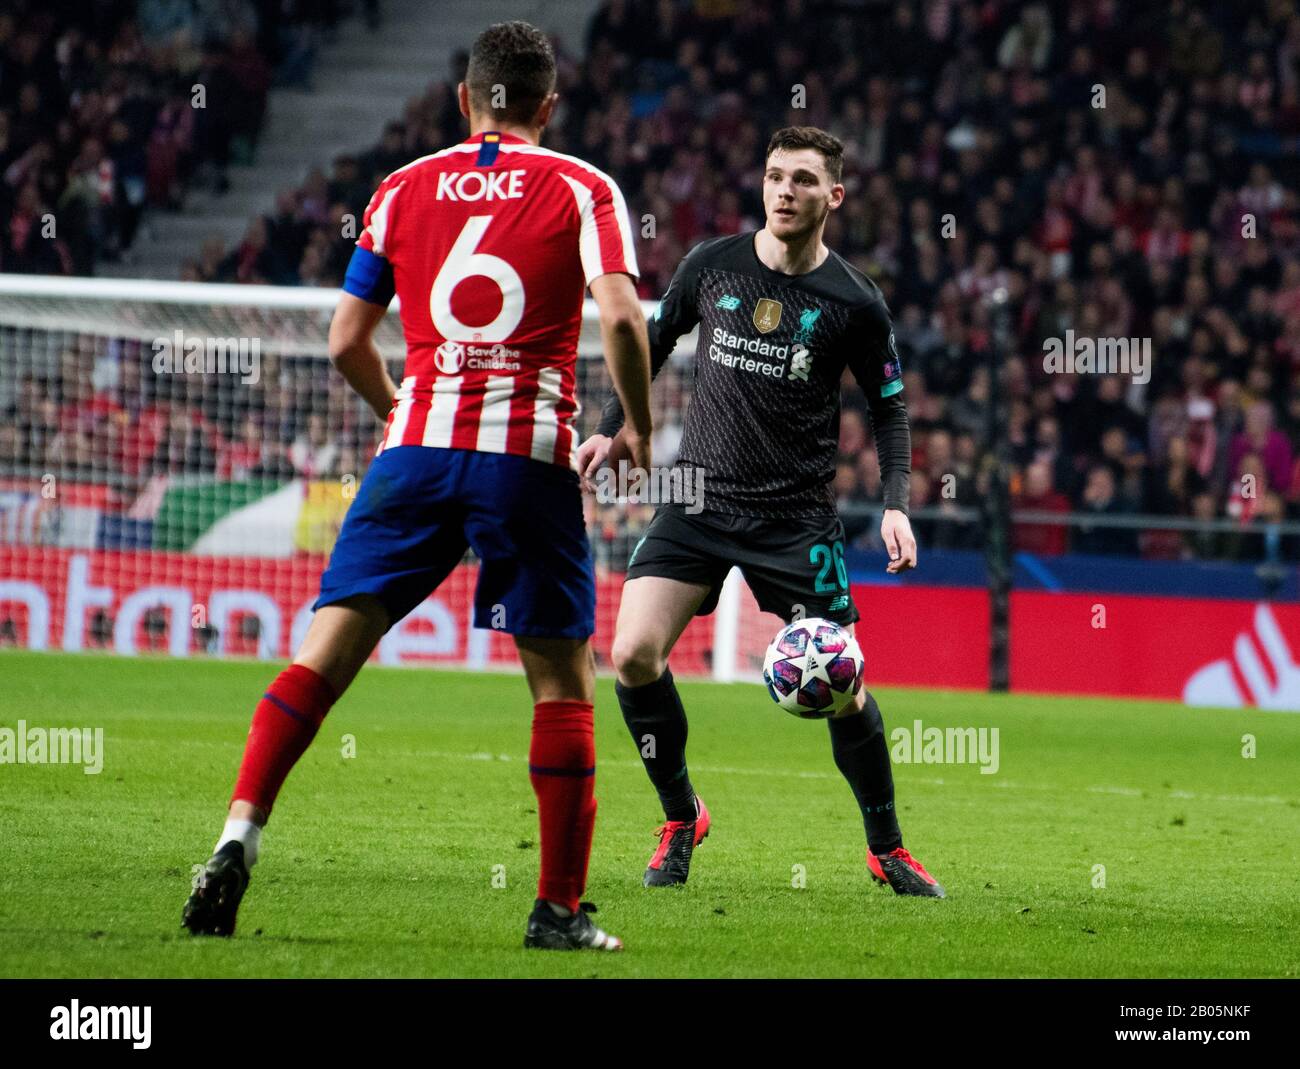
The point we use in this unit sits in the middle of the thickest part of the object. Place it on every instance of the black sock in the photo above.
(858, 743)
(657, 721)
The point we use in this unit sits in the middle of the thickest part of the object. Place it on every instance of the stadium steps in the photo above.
(361, 81)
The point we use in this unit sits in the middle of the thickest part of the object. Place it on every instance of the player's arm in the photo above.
(878, 371)
(676, 315)
(627, 355)
(609, 267)
(354, 353)
(368, 289)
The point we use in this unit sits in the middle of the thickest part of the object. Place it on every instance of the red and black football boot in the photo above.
(901, 871)
(678, 839)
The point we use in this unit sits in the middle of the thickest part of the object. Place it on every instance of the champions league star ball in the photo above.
(813, 669)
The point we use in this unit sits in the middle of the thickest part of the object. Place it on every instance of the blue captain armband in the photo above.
(369, 277)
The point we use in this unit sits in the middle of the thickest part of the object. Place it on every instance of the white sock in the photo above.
(244, 832)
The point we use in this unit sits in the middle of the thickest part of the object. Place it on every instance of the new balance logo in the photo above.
(728, 303)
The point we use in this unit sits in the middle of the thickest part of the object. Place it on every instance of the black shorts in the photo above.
(795, 568)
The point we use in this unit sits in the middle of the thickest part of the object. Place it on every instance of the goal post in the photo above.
(176, 458)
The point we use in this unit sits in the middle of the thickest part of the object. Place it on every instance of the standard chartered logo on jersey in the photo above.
(792, 361)
(800, 356)
(730, 350)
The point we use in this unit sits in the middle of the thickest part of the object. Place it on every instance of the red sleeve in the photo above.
(605, 238)
(377, 222)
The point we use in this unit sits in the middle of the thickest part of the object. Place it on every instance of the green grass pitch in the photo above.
(384, 863)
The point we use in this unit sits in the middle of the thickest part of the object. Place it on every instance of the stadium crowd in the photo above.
(114, 108)
(1119, 170)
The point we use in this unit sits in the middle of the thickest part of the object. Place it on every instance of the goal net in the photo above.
(176, 459)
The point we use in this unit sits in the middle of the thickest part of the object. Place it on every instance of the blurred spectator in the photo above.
(314, 453)
(1172, 485)
(1101, 498)
(1248, 488)
(1260, 438)
(242, 458)
(1047, 539)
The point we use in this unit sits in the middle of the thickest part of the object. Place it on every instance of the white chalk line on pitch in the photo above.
(1006, 785)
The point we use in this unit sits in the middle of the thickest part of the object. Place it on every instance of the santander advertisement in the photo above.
(1200, 651)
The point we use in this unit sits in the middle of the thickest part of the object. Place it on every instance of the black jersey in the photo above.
(763, 422)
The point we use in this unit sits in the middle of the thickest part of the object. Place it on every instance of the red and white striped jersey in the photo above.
(492, 243)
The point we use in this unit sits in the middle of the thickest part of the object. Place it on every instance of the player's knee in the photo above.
(855, 706)
(871, 711)
(864, 704)
(558, 670)
(637, 660)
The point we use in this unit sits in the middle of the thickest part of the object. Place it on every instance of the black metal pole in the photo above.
(997, 501)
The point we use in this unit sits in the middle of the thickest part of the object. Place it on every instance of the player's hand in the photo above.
(592, 455)
(636, 447)
(896, 530)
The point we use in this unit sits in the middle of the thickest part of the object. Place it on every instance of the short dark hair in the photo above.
(797, 137)
(517, 57)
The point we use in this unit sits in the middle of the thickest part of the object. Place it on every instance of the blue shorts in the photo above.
(417, 510)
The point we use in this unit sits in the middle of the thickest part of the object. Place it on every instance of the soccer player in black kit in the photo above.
(780, 318)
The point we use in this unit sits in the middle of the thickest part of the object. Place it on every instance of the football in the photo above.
(813, 668)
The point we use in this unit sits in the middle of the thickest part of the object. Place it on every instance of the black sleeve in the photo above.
(676, 315)
(875, 364)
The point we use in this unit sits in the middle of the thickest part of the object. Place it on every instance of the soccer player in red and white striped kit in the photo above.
(489, 245)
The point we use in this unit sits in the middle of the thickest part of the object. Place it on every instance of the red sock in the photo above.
(562, 767)
(284, 723)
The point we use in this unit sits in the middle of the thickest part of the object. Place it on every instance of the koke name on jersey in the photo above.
(480, 185)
